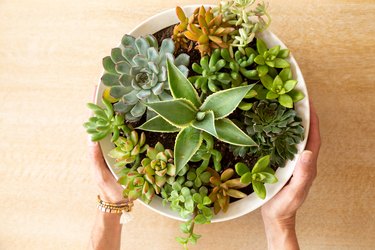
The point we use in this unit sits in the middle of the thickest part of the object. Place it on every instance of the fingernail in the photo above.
(307, 156)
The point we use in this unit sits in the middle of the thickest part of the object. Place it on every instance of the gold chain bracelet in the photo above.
(114, 208)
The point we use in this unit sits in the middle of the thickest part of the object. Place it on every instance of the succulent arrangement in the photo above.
(172, 120)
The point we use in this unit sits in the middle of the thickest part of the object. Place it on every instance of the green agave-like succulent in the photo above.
(136, 73)
(157, 166)
(276, 129)
(268, 59)
(282, 88)
(104, 122)
(261, 173)
(128, 149)
(224, 187)
(188, 115)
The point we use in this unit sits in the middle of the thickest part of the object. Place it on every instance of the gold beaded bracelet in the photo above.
(116, 208)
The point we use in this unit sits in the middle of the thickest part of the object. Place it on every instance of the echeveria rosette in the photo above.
(188, 115)
(269, 59)
(282, 88)
(136, 73)
(276, 129)
(157, 166)
(260, 174)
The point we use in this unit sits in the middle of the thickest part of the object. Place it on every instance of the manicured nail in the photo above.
(307, 156)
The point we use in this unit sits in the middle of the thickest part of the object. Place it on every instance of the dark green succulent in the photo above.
(128, 149)
(136, 73)
(261, 173)
(276, 129)
(104, 122)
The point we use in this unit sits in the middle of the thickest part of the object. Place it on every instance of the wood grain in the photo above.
(50, 60)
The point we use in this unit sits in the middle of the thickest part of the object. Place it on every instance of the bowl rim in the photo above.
(251, 202)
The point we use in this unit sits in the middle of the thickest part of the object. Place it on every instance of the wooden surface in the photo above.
(50, 60)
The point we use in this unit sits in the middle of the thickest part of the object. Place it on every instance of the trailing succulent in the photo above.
(136, 73)
(236, 107)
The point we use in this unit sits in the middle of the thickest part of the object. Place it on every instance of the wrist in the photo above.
(281, 233)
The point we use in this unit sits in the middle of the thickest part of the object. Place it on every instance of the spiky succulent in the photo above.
(276, 129)
(282, 88)
(157, 166)
(188, 115)
(224, 187)
(104, 122)
(209, 33)
(128, 149)
(261, 173)
(136, 73)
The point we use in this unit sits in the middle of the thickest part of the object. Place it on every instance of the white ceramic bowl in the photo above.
(251, 202)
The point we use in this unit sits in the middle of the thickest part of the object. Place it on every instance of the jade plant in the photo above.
(189, 131)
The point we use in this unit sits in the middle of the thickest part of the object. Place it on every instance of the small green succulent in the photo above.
(224, 187)
(196, 177)
(188, 115)
(128, 149)
(276, 129)
(206, 152)
(136, 186)
(157, 166)
(270, 58)
(261, 173)
(282, 88)
(104, 122)
(136, 73)
(210, 78)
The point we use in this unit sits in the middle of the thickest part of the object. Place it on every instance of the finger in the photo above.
(305, 171)
(313, 143)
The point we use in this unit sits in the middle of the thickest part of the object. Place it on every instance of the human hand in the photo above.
(279, 213)
(109, 189)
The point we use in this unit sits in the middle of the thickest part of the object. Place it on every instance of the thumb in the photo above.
(305, 170)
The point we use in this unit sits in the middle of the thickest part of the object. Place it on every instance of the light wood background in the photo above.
(50, 60)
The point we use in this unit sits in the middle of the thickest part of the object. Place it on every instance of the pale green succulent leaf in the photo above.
(259, 189)
(261, 164)
(178, 112)
(281, 63)
(224, 102)
(286, 101)
(267, 81)
(108, 65)
(289, 85)
(187, 143)
(269, 178)
(285, 74)
(246, 178)
(228, 132)
(158, 124)
(261, 46)
(180, 86)
(241, 168)
(207, 124)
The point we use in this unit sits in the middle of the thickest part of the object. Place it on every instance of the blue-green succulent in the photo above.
(136, 73)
